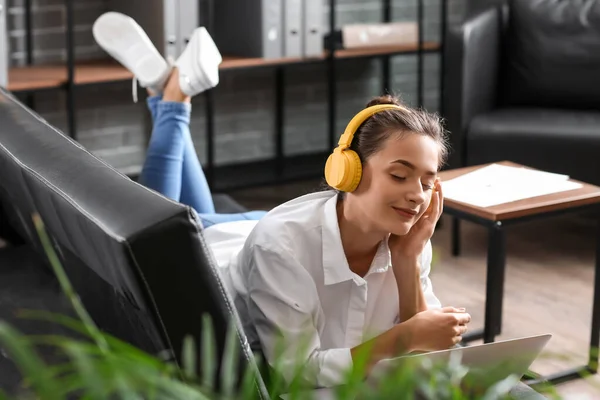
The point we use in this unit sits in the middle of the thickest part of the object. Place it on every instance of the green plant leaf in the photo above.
(31, 366)
(208, 353)
(65, 284)
(86, 367)
(189, 357)
(114, 344)
(175, 389)
(229, 369)
(249, 389)
(277, 384)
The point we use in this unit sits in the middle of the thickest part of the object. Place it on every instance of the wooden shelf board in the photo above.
(53, 76)
(383, 50)
(232, 62)
(36, 77)
(100, 71)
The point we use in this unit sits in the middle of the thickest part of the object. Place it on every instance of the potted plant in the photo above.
(100, 366)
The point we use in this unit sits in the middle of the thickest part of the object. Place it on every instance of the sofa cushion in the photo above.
(538, 138)
(553, 54)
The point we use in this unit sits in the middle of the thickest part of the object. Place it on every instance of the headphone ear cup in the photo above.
(343, 170)
(334, 170)
(352, 171)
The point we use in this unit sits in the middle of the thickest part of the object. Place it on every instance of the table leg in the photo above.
(496, 263)
(455, 236)
(592, 365)
(595, 334)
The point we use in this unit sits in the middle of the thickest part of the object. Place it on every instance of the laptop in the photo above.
(486, 364)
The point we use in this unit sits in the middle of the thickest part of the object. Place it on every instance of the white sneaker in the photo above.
(198, 64)
(122, 38)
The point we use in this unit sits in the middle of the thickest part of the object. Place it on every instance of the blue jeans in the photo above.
(172, 167)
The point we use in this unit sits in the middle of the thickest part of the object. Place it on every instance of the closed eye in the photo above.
(398, 178)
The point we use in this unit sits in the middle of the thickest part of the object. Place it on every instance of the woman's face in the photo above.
(397, 182)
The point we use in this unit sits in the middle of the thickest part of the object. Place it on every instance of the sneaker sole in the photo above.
(122, 38)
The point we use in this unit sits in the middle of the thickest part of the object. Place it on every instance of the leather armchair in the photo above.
(523, 84)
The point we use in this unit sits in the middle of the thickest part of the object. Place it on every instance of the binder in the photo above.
(188, 18)
(171, 39)
(292, 28)
(313, 28)
(249, 28)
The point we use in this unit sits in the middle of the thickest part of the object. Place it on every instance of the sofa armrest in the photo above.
(472, 57)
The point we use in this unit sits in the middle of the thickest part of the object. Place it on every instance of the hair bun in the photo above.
(386, 99)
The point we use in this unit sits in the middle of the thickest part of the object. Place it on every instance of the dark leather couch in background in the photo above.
(523, 84)
(137, 260)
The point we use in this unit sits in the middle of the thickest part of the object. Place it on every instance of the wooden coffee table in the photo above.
(495, 218)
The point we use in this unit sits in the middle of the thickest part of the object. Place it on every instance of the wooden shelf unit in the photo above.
(86, 73)
(72, 74)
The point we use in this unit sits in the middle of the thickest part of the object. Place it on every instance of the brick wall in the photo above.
(114, 128)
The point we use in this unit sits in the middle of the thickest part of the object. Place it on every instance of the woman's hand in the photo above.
(411, 245)
(437, 329)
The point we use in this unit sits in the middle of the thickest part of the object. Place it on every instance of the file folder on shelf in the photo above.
(249, 28)
(313, 28)
(292, 28)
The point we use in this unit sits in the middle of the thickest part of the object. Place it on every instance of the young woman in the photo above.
(330, 274)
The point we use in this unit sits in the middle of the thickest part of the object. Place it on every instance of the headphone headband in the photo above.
(359, 119)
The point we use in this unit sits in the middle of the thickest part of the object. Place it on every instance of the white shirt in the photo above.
(290, 280)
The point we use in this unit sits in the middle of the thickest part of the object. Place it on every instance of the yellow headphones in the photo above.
(343, 169)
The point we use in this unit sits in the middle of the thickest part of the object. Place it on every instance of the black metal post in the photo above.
(455, 234)
(28, 33)
(210, 11)
(331, 103)
(443, 28)
(496, 264)
(70, 43)
(210, 136)
(595, 334)
(29, 97)
(279, 119)
(386, 60)
(420, 53)
(209, 103)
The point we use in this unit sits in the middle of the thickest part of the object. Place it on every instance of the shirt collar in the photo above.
(335, 265)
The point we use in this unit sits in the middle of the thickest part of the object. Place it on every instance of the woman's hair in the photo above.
(372, 134)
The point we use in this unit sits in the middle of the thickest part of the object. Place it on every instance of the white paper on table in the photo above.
(498, 184)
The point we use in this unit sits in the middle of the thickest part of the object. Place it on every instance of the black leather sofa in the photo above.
(523, 84)
(137, 260)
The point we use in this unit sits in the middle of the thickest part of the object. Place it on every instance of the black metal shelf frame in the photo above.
(279, 115)
(331, 81)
